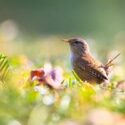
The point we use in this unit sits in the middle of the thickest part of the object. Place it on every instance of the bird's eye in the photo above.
(76, 42)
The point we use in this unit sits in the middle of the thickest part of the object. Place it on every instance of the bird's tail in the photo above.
(109, 64)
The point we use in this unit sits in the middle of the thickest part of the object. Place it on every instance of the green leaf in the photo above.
(4, 67)
(76, 76)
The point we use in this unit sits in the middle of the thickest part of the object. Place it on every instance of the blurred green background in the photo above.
(104, 18)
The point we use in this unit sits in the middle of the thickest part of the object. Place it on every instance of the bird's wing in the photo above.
(92, 71)
(90, 65)
(92, 61)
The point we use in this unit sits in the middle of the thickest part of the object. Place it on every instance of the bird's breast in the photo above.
(73, 59)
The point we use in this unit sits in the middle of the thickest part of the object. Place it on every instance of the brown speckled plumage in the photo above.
(85, 66)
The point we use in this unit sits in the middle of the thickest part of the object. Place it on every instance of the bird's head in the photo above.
(78, 45)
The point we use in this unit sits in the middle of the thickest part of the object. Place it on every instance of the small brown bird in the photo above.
(85, 66)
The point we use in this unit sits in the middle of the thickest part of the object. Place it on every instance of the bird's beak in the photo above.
(65, 40)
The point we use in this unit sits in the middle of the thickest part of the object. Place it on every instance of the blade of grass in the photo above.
(4, 66)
